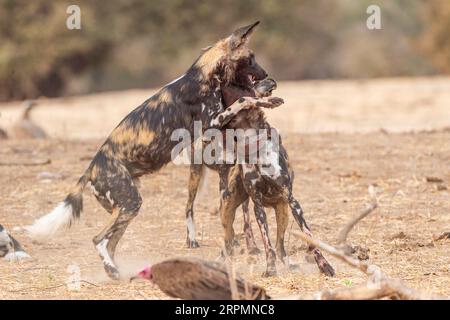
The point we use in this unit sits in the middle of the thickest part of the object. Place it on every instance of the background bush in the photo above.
(140, 43)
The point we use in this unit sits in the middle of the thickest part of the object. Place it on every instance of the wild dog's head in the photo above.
(230, 61)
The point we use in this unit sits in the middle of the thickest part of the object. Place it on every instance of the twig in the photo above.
(442, 236)
(342, 238)
(377, 279)
(232, 279)
(28, 164)
(355, 293)
(52, 287)
(143, 295)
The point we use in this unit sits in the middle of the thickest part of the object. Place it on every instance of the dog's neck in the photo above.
(252, 118)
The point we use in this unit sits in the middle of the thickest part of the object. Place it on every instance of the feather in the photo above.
(195, 279)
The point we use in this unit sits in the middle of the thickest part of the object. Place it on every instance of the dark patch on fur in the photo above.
(76, 201)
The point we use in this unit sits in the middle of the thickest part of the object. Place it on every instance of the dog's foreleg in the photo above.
(194, 183)
(221, 119)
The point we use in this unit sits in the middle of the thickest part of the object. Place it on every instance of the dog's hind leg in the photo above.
(282, 217)
(232, 196)
(118, 187)
(261, 218)
(228, 208)
(194, 183)
(251, 178)
(322, 263)
(248, 232)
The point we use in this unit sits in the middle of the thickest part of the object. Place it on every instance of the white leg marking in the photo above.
(191, 228)
(101, 248)
(108, 196)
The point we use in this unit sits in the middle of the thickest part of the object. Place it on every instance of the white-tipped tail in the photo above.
(48, 225)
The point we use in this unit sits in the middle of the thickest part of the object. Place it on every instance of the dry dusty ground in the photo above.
(333, 172)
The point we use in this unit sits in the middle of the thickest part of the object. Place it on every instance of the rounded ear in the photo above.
(241, 35)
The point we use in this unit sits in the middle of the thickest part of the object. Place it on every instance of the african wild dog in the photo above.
(230, 94)
(266, 188)
(142, 144)
(10, 248)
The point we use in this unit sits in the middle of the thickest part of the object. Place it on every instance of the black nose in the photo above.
(265, 74)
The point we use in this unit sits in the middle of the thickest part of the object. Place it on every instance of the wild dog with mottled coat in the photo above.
(267, 183)
(142, 144)
(230, 94)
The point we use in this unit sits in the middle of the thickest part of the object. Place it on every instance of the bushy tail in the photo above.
(63, 215)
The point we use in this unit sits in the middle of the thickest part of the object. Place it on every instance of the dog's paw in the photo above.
(327, 269)
(192, 244)
(276, 102)
(271, 102)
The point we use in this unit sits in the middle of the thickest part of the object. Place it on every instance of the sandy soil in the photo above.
(333, 171)
(349, 106)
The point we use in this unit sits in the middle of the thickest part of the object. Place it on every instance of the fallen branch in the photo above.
(379, 285)
(342, 238)
(442, 236)
(52, 287)
(355, 293)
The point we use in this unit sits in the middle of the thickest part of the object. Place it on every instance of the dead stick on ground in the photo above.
(28, 164)
(445, 235)
(342, 238)
(379, 284)
(52, 287)
(355, 293)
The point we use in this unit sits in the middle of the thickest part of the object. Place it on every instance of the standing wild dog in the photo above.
(268, 182)
(142, 144)
(230, 94)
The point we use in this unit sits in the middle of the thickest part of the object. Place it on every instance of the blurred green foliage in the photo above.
(142, 43)
(436, 33)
